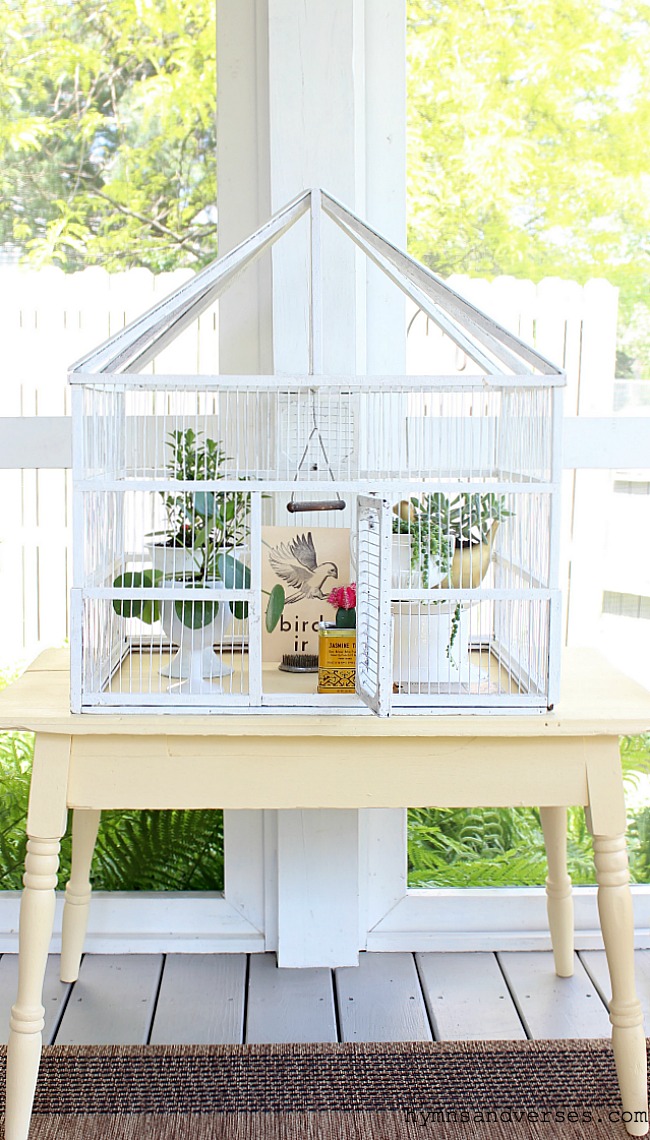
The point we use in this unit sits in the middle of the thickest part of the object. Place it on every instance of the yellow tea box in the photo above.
(337, 658)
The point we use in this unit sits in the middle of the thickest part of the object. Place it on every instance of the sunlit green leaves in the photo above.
(489, 847)
(107, 132)
(524, 121)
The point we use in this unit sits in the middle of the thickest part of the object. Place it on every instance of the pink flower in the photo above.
(344, 597)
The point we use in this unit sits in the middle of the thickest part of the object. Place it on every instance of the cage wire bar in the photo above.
(450, 487)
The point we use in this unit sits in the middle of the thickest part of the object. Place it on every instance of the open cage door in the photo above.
(374, 679)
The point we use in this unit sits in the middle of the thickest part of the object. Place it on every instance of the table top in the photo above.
(597, 700)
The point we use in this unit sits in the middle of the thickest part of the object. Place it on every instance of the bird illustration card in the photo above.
(308, 562)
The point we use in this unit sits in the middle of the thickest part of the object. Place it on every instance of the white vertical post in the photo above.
(312, 95)
(385, 176)
(594, 397)
(315, 100)
(318, 888)
(243, 196)
(245, 319)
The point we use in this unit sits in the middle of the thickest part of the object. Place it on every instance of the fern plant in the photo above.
(16, 752)
(490, 847)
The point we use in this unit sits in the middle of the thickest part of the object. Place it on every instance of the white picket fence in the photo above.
(48, 319)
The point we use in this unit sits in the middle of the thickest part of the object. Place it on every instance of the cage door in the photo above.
(374, 640)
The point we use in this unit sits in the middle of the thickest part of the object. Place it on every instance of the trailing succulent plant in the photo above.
(472, 516)
(437, 525)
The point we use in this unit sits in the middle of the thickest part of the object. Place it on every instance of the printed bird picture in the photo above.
(296, 563)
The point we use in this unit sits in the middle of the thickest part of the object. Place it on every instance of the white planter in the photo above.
(422, 653)
(174, 561)
(196, 663)
(405, 576)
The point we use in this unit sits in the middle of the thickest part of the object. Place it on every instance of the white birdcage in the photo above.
(448, 486)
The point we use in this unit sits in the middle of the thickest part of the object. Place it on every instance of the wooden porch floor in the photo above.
(234, 998)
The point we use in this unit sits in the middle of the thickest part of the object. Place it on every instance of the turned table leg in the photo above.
(617, 923)
(46, 822)
(78, 892)
(607, 822)
(559, 900)
(27, 1015)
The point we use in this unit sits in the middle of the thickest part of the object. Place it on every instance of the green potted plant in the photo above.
(198, 524)
(450, 545)
(204, 532)
(422, 546)
(473, 520)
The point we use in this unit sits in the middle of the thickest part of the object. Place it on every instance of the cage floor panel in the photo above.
(145, 672)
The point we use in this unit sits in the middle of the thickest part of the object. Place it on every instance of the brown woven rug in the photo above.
(496, 1090)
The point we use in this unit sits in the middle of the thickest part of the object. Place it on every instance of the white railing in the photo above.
(48, 319)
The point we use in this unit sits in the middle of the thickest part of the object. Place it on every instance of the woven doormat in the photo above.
(450, 1090)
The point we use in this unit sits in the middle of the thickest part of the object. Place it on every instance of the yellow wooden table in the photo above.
(95, 762)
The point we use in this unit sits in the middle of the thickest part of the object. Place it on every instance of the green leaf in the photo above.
(146, 609)
(233, 573)
(274, 607)
(204, 504)
(235, 576)
(196, 614)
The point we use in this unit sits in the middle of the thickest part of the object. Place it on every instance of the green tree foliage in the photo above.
(527, 122)
(526, 127)
(107, 131)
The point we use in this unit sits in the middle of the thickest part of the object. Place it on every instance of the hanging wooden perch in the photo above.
(295, 508)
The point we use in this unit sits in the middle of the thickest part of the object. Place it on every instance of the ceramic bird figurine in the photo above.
(470, 563)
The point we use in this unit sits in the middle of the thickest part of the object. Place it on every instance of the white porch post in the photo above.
(313, 94)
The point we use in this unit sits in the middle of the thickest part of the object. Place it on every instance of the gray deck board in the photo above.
(553, 1007)
(381, 1000)
(595, 963)
(55, 995)
(467, 998)
(113, 1001)
(201, 1000)
(288, 1005)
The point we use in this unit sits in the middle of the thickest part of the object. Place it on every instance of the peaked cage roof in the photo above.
(496, 351)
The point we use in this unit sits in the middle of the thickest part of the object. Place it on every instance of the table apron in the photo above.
(332, 772)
